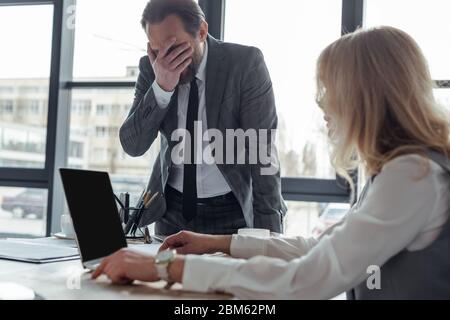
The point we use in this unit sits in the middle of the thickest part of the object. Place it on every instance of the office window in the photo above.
(425, 20)
(126, 109)
(98, 138)
(113, 132)
(22, 146)
(310, 219)
(107, 132)
(101, 132)
(81, 108)
(22, 211)
(76, 150)
(5, 89)
(282, 30)
(32, 107)
(113, 47)
(29, 89)
(115, 109)
(101, 110)
(443, 97)
(108, 110)
(24, 82)
(100, 155)
(110, 48)
(6, 107)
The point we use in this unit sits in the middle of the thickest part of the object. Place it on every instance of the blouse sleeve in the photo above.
(394, 212)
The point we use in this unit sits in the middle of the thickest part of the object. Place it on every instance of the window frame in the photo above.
(59, 100)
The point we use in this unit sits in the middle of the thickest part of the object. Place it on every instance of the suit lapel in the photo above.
(215, 81)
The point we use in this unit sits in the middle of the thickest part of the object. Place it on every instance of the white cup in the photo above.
(254, 232)
(67, 226)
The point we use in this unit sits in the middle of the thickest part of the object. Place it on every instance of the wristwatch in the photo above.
(162, 263)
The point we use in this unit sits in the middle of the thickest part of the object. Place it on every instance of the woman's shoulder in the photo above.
(412, 177)
(413, 164)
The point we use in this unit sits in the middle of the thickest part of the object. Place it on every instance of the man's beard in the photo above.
(191, 71)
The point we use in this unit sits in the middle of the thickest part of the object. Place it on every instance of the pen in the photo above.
(146, 205)
(147, 196)
(147, 238)
(141, 199)
(126, 215)
(130, 223)
(141, 210)
(149, 202)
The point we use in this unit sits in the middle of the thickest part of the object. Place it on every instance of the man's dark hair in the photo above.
(188, 11)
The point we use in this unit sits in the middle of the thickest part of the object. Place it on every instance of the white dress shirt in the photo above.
(210, 181)
(406, 207)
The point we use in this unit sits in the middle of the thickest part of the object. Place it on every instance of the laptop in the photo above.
(94, 213)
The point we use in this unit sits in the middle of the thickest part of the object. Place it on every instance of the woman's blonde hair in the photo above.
(375, 84)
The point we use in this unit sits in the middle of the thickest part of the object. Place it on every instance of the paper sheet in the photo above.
(149, 249)
(34, 252)
(53, 241)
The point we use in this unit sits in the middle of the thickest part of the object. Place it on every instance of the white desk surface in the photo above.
(62, 281)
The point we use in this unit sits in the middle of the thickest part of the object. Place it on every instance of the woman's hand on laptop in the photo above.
(186, 242)
(126, 265)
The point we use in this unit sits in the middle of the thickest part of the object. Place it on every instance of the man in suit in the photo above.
(189, 78)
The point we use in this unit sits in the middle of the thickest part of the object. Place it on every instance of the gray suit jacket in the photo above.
(239, 94)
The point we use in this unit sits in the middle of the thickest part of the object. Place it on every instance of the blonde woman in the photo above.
(376, 92)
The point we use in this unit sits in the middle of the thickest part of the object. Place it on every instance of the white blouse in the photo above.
(406, 207)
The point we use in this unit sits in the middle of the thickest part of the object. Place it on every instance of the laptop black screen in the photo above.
(94, 213)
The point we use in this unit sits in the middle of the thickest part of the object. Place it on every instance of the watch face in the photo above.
(165, 256)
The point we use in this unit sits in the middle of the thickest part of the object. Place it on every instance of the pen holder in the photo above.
(148, 209)
(132, 225)
(124, 207)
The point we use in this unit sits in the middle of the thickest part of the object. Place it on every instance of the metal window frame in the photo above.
(442, 84)
(215, 15)
(24, 177)
(57, 117)
(58, 120)
(60, 132)
(352, 15)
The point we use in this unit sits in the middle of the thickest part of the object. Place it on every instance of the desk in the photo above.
(68, 281)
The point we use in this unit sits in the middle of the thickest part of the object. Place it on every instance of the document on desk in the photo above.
(47, 241)
(35, 252)
(148, 249)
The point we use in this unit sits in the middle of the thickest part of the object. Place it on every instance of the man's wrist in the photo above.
(162, 97)
(223, 244)
(164, 88)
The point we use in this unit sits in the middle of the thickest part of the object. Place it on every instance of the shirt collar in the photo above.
(201, 73)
